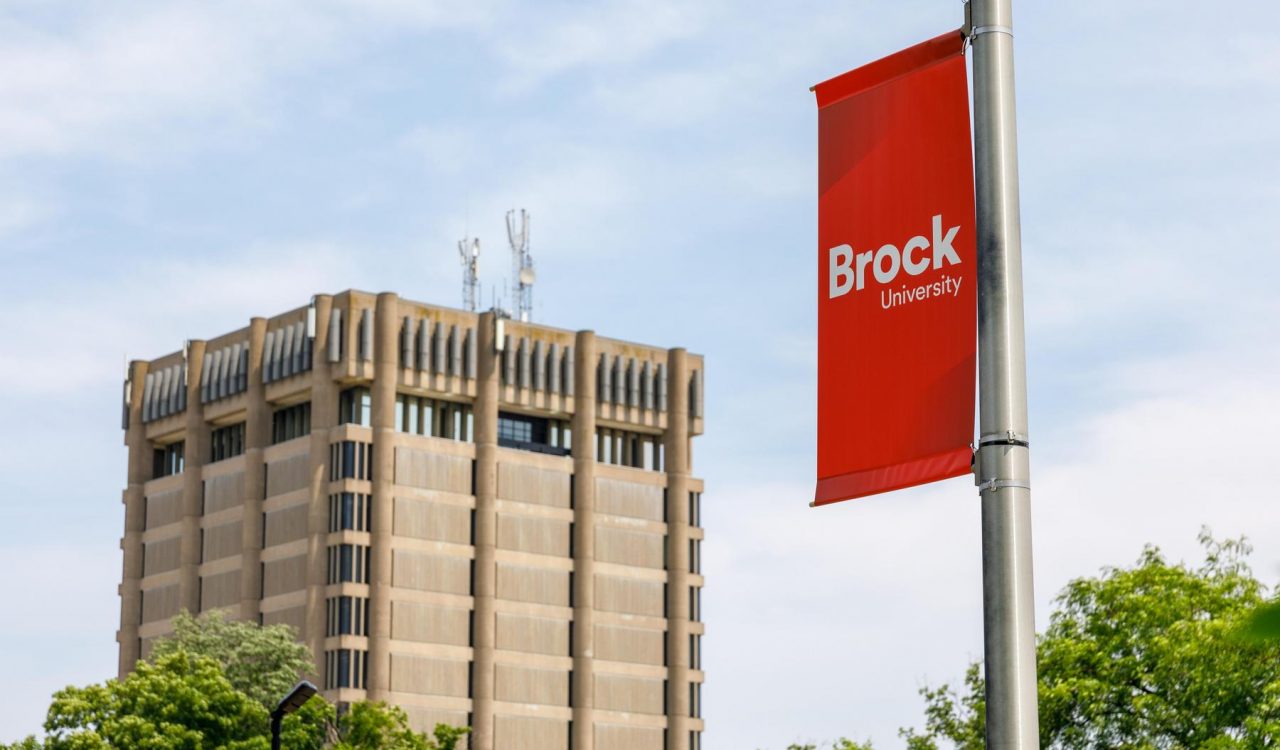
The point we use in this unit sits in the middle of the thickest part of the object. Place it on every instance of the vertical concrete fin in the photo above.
(335, 335)
(424, 345)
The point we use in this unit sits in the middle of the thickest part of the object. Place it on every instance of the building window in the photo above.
(350, 511)
(350, 459)
(418, 415)
(695, 603)
(695, 651)
(355, 406)
(348, 563)
(347, 615)
(226, 442)
(695, 700)
(695, 556)
(345, 668)
(167, 460)
(536, 434)
(695, 508)
(625, 448)
(695, 741)
(290, 422)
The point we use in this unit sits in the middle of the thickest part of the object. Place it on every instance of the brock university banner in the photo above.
(896, 273)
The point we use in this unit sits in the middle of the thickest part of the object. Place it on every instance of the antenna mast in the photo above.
(522, 274)
(469, 256)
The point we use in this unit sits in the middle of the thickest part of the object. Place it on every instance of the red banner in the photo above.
(896, 273)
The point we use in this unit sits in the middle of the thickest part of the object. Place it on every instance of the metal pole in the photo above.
(1003, 457)
(275, 730)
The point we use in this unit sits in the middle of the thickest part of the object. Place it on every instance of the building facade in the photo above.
(486, 522)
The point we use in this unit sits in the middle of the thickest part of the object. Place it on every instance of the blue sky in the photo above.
(168, 170)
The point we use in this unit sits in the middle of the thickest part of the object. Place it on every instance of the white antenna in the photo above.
(469, 256)
(522, 274)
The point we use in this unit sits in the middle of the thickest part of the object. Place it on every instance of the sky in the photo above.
(170, 169)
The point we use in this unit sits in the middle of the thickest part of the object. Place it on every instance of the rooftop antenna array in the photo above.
(469, 256)
(522, 273)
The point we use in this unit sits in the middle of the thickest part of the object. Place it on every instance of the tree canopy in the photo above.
(263, 662)
(211, 685)
(1157, 655)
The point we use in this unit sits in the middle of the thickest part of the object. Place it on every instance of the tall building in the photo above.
(486, 522)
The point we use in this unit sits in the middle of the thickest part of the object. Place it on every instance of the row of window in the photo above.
(351, 459)
(291, 422)
(348, 563)
(167, 460)
(537, 434)
(350, 511)
(347, 615)
(625, 448)
(346, 668)
(418, 415)
(226, 442)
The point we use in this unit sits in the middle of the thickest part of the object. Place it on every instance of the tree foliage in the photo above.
(212, 685)
(263, 662)
(182, 702)
(1144, 657)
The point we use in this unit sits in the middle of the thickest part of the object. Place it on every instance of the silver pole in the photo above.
(1003, 457)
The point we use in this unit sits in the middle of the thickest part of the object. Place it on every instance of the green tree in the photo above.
(377, 726)
(1141, 657)
(181, 702)
(263, 662)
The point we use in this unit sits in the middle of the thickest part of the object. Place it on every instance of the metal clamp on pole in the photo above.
(1008, 437)
(991, 29)
(999, 484)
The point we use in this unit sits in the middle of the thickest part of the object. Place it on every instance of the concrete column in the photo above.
(324, 417)
(135, 505)
(676, 446)
(486, 576)
(195, 456)
(386, 366)
(584, 541)
(257, 436)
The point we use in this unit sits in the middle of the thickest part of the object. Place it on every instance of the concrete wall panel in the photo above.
(622, 737)
(425, 572)
(222, 541)
(629, 596)
(295, 617)
(430, 623)
(223, 491)
(287, 524)
(530, 484)
(535, 635)
(423, 519)
(288, 474)
(541, 536)
(539, 585)
(530, 733)
(283, 576)
(635, 695)
(433, 471)
(625, 547)
(161, 556)
(634, 645)
(427, 676)
(221, 590)
(164, 508)
(160, 603)
(631, 499)
(546, 687)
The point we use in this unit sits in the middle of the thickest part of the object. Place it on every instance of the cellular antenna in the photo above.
(469, 256)
(522, 273)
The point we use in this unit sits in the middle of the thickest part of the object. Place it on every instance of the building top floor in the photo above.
(435, 353)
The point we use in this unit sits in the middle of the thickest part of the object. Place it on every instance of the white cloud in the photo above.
(80, 336)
